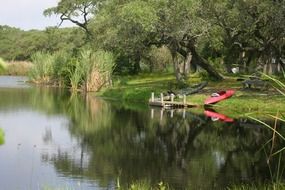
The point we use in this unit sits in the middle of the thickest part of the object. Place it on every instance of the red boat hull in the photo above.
(222, 96)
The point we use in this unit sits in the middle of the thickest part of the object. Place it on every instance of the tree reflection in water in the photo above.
(190, 152)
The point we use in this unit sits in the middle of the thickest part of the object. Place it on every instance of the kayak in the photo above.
(219, 96)
(217, 116)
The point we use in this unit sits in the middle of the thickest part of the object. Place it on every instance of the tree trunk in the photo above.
(197, 59)
(177, 66)
(187, 64)
(136, 66)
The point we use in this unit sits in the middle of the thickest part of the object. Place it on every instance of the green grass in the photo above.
(144, 185)
(274, 186)
(139, 88)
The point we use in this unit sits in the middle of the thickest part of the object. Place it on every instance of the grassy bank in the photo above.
(139, 88)
(274, 186)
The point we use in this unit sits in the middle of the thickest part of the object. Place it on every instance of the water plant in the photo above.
(100, 70)
(144, 185)
(88, 70)
(41, 71)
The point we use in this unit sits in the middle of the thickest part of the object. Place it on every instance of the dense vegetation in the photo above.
(151, 35)
(1, 136)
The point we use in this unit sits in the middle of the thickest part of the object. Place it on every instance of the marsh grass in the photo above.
(18, 68)
(273, 186)
(276, 174)
(101, 65)
(41, 71)
(88, 70)
(144, 185)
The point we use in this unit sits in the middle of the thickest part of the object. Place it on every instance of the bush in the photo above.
(3, 66)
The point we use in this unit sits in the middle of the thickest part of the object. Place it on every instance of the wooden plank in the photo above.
(160, 102)
(170, 104)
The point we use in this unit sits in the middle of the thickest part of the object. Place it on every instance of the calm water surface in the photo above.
(57, 140)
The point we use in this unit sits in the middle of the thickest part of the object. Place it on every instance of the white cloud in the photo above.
(27, 14)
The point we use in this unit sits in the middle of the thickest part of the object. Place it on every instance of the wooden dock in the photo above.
(161, 102)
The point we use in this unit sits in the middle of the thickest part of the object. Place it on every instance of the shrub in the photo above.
(3, 66)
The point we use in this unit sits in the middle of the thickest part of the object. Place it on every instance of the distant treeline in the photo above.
(17, 44)
(190, 35)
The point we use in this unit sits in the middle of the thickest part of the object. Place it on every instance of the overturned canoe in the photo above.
(219, 96)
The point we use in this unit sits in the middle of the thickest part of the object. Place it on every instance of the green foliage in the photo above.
(236, 33)
(137, 16)
(18, 45)
(159, 59)
(3, 65)
(2, 140)
(246, 33)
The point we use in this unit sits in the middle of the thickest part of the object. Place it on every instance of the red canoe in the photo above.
(219, 96)
(218, 116)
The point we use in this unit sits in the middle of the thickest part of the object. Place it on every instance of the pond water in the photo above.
(57, 140)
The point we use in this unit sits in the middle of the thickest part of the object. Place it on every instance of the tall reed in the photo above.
(41, 70)
(99, 68)
(89, 70)
(278, 118)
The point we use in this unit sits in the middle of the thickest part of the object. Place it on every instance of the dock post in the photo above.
(171, 113)
(152, 113)
(161, 114)
(172, 97)
(184, 113)
(184, 100)
(152, 96)
(161, 98)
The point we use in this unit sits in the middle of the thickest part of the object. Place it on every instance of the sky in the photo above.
(28, 14)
